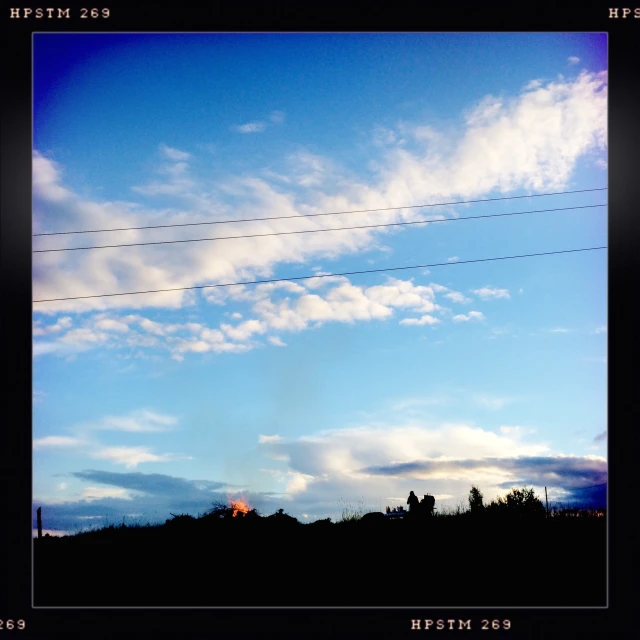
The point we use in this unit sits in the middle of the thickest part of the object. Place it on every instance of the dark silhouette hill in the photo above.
(251, 560)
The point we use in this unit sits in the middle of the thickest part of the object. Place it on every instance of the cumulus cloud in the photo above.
(491, 293)
(388, 460)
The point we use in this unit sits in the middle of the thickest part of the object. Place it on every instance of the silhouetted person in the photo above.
(413, 502)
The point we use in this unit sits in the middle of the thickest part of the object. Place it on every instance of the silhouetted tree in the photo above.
(476, 505)
(518, 503)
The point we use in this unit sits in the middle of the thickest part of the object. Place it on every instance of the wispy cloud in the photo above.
(472, 315)
(277, 117)
(426, 319)
(602, 329)
(456, 296)
(131, 457)
(141, 421)
(601, 436)
(573, 60)
(491, 293)
(58, 442)
(250, 127)
(491, 402)
(559, 330)
(453, 259)
(174, 154)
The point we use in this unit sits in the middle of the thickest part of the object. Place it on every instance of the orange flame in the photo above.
(239, 505)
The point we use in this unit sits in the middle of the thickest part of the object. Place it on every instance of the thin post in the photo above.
(39, 522)
(546, 500)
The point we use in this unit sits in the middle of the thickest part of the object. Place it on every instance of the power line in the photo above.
(314, 215)
(287, 233)
(327, 275)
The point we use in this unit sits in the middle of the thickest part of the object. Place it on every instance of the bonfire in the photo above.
(239, 506)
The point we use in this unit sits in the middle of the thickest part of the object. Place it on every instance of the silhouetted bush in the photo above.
(518, 503)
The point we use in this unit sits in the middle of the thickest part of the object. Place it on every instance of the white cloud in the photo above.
(559, 330)
(174, 154)
(142, 420)
(517, 431)
(453, 259)
(57, 442)
(529, 141)
(573, 60)
(602, 329)
(79, 337)
(131, 457)
(274, 438)
(491, 293)
(112, 325)
(472, 315)
(244, 330)
(443, 459)
(57, 327)
(250, 127)
(455, 296)
(276, 341)
(426, 319)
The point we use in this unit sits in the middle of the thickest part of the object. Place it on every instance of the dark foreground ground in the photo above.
(442, 562)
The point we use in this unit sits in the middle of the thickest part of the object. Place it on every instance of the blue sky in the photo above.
(313, 394)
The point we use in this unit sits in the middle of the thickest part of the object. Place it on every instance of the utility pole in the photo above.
(546, 500)
(39, 522)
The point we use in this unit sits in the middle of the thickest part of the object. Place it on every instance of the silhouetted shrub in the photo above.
(518, 503)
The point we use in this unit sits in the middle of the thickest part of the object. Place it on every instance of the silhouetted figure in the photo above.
(413, 502)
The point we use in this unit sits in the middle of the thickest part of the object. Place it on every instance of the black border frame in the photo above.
(357, 15)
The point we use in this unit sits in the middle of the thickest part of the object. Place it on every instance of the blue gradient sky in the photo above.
(295, 395)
